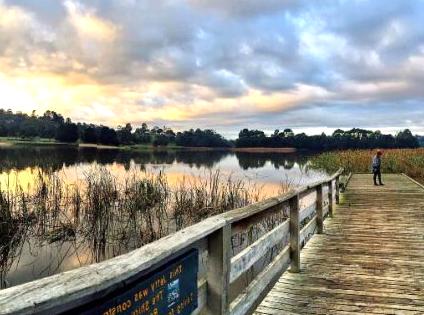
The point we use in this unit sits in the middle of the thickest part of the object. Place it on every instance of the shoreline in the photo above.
(7, 142)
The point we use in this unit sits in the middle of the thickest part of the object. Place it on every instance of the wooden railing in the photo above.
(230, 279)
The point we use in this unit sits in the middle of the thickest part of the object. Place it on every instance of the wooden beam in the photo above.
(320, 210)
(337, 190)
(219, 267)
(246, 258)
(307, 232)
(67, 290)
(245, 303)
(294, 234)
(330, 198)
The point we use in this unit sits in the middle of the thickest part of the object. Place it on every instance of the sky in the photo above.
(223, 64)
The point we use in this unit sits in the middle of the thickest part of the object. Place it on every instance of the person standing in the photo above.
(376, 167)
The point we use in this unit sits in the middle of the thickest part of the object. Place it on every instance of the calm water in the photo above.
(27, 254)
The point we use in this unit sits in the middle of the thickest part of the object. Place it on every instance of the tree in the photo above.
(405, 139)
(160, 140)
(67, 132)
(108, 136)
(89, 135)
(288, 133)
(200, 138)
(124, 134)
(29, 128)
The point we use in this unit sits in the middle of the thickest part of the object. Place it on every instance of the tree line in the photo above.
(54, 126)
(352, 139)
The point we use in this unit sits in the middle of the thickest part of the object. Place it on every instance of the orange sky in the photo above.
(204, 64)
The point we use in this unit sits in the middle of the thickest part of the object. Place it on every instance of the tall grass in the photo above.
(408, 161)
(200, 197)
(104, 216)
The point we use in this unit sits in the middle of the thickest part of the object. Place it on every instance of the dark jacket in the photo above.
(376, 163)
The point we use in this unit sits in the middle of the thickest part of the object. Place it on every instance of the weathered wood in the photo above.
(330, 199)
(250, 210)
(253, 294)
(324, 181)
(219, 266)
(345, 182)
(212, 237)
(413, 180)
(308, 231)
(337, 190)
(307, 212)
(369, 261)
(246, 258)
(202, 297)
(70, 289)
(320, 210)
(294, 234)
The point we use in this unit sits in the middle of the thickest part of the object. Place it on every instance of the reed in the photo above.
(200, 197)
(408, 161)
(103, 215)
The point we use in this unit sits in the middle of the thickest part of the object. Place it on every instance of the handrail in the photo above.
(413, 180)
(76, 288)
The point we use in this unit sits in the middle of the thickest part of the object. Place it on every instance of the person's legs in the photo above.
(375, 177)
(379, 177)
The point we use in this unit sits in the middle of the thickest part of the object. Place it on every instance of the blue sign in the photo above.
(169, 290)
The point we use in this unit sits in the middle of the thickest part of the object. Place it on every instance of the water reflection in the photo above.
(258, 160)
(44, 238)
(54, 158)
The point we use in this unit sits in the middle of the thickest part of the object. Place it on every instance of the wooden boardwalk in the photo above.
(370, 259)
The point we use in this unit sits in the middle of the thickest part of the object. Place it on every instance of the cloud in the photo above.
(244, 8)
(88, 25)
(229, 64)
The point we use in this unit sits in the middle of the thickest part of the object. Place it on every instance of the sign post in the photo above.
(168, 290)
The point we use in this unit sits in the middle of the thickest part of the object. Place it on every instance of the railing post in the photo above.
(320, 210)
(330, 198)
(219, 267)
(294, 234)
(338, 189)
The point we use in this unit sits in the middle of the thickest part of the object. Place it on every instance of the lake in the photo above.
(57, 227)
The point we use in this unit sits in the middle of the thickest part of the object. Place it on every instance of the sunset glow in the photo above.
(215, 64)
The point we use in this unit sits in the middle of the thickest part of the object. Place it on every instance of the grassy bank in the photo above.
(30, 141)
(408, 161)
(137, 147)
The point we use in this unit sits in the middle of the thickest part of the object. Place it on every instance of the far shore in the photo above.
(175, 147)
(265, 150)
(4, 141)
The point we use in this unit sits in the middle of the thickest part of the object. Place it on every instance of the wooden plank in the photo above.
(330, 198)
(413, 180)
(250, 210)
(346, 182)
(307, 212)
(320, 211)
(295, 234)
(245, 212)
(202, 286)
(308, 231)
(77, 287)
(246, 258)
(258, 287)
(337, 183)
(219, 266)
(369, 261)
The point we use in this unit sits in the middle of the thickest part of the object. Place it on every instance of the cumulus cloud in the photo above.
(244, 8)
(228, 64)
(88, 25)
